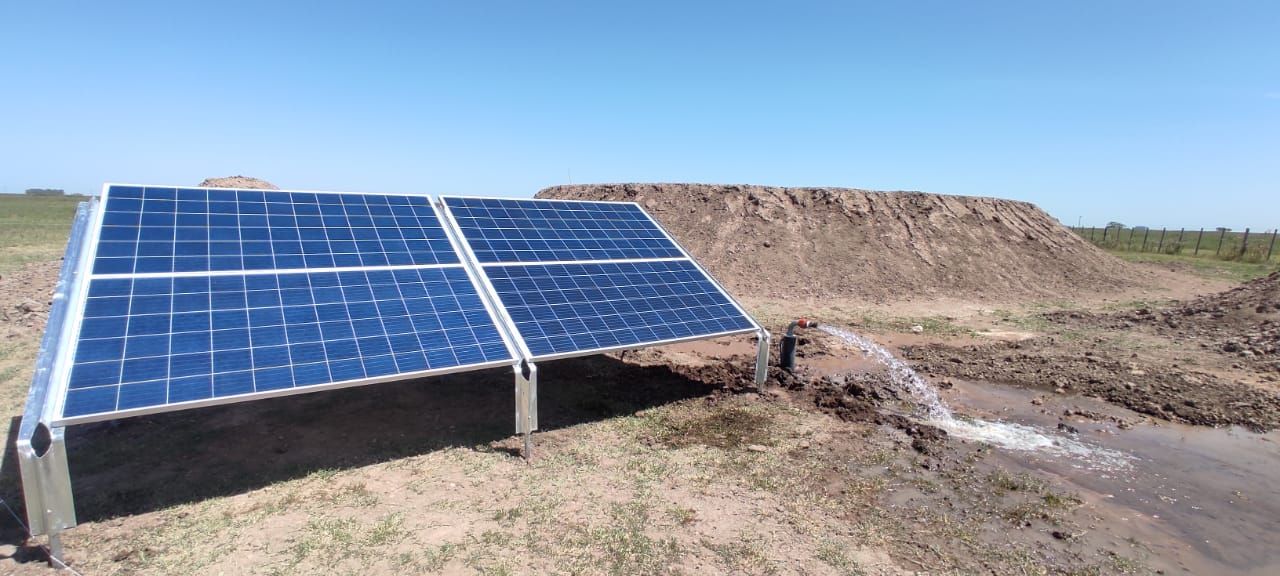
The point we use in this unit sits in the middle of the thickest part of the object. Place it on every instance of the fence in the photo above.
(1219, 243)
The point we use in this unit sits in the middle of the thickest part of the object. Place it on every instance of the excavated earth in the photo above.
(1243, 322)
(876, 246)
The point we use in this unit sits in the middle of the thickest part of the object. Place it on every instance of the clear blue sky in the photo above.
(1155, 112)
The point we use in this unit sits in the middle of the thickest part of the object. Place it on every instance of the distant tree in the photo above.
(1222, 229)
(1115, 225)
(45, 192)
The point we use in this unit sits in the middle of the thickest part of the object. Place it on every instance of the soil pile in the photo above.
(881, 246)
(241, 182)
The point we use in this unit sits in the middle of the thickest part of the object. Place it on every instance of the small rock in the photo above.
(917, 329)
(1037, 401)
(804, 444)
(28, 306)
(1063, 426)
(1059, 391)
(756, 448)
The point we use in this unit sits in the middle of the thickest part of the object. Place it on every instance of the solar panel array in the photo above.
(211, 294)
(582, 277)
(201, 296)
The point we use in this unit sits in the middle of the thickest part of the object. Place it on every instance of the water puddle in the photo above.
(1201, 500)
(1191, 500)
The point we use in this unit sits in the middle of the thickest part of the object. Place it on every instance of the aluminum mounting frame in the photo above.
(41, 447)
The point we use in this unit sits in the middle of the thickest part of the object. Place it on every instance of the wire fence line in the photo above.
(1221, 243)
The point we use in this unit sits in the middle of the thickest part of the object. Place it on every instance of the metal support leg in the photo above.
(46, 483)
(762, 357)
(527, 404)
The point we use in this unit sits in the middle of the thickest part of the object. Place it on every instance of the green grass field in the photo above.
(34, 228)
(1213, 244)
(1213, 268)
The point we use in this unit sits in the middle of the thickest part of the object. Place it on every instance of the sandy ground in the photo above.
(670, 461)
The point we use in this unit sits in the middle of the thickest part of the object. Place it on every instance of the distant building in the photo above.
(46, 192)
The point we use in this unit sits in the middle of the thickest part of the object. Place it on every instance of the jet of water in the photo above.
(933, 410)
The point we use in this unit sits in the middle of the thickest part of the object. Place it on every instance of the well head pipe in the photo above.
(787, 356)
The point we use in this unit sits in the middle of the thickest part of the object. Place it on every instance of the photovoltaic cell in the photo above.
(155, 341)
(507, 230)
(563, 308)
(162, 230)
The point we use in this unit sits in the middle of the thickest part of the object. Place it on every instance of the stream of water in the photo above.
(1010, 436)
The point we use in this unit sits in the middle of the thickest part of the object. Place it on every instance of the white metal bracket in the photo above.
(46, 483)
(762, 357)
(526, 404)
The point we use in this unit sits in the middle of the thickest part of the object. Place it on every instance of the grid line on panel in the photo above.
(509, 230)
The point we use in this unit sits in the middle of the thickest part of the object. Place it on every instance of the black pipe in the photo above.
(787, 356)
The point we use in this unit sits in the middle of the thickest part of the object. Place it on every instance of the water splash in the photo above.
(933, 410)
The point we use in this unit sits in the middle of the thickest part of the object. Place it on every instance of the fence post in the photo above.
(1221, 237)
(1273, 244)
(1146, 234)
(1104, 234)
(1180, 231)
(1244, 244)
(1198, 239)
(1129, 246)
(1160, 247)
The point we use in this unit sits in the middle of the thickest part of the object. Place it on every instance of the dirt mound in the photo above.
(819, 242)
(241, 182)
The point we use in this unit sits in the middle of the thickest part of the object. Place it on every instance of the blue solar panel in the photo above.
(155, 341)
(163, 230)
(566, 308)
(507, 230)
(582, 277)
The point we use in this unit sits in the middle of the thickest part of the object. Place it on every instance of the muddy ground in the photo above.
(671, 461)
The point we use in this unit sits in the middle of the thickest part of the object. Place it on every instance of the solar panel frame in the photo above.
(60, 378)
(470, 256)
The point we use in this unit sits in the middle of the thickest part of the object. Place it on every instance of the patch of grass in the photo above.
(727, 428)
(34, 229)
(1028, 322)
(744, 555)
(937, 325)
(682, 516)
(623, 546)
(1049, 507)
(833, 554)
(1211, 268)
(1003, 481)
